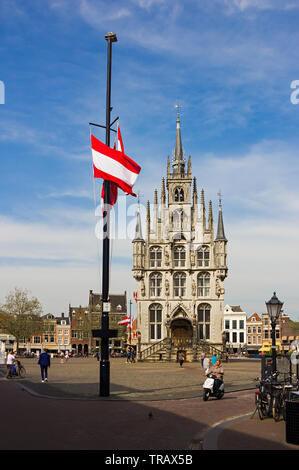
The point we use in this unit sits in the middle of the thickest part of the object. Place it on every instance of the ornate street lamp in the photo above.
(274, 307)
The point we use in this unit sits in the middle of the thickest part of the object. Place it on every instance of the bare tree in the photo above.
(20, 315)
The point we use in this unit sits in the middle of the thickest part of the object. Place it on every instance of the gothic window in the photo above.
(155, 257)
(179, 256)
(203, 285)
(155, 284)
(203, 256)
(179, 195)
(176, 219)
(155, 321)
(204, 319)
(179, 284)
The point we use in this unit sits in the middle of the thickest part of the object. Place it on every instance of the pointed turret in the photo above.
(194, 192)
(210, 221)
(138, 248)
(203, 210)
(178, 163)
(220, 245)
(163, 193)
(148, 220)
(189, 166)
(138, 229)
(220, 229)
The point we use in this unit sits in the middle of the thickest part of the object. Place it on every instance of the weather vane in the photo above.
(220, 195)
(177, 106)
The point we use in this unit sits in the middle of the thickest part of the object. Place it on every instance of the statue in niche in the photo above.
(142, 289)
(219, 289)
(166, 253)
(167, 287)
(193, 288)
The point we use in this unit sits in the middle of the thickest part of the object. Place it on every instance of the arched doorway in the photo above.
(181, 332)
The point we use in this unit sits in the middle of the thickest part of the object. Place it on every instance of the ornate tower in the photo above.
(180, 267)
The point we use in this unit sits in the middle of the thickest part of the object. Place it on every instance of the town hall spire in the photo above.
(178, 163)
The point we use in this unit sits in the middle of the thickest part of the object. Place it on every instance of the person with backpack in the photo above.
(44, 362)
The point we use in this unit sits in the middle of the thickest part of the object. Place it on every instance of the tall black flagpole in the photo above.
(105, 363)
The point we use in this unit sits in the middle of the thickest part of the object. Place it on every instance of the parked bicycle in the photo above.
(17, 369)
(270, 399)
(282, 394)
(263, 397)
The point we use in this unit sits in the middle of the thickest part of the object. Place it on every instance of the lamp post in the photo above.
(274, 307)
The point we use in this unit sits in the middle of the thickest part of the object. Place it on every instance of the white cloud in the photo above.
(243, 5)
(56, 287)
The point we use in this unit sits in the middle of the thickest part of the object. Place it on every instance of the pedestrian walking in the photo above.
(206, 363)
(62, 358)
(128, 355)
(214, 359)
(132, 355)
(202, 358)
(10, 359)
(44, 362)
(181, 359)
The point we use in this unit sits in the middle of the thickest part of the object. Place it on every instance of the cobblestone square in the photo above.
(79, 377)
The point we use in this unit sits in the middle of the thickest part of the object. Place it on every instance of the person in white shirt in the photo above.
(10, 359)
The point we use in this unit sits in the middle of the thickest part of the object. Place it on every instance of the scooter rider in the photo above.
(218, 372)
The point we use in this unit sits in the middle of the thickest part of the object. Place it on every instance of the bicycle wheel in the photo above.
(260, 407)
(22, 371)
(277, 408)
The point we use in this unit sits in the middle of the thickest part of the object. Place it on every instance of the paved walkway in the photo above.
(67, 413)
(79, 378)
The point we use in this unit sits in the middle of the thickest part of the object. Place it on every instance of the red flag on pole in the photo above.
(113, 165)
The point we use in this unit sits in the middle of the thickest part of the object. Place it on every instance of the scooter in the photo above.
(209, 389)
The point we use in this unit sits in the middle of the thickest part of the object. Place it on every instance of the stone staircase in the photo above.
(166, 350)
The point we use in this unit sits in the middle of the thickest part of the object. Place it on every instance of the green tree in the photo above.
(21, 315)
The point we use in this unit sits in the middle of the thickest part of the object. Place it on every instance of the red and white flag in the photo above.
(125, 321)
(113, 165)
(118, 145)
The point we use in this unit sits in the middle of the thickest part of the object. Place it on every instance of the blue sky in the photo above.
(228, 63)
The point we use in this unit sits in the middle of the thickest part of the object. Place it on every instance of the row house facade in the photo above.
(254, 334)
(55, 337)
(259, 333)
(254, 327)
(235, 328)
(85, 319)
(73, 333)
(289, 333)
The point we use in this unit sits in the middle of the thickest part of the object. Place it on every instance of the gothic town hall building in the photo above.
(180, 267)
